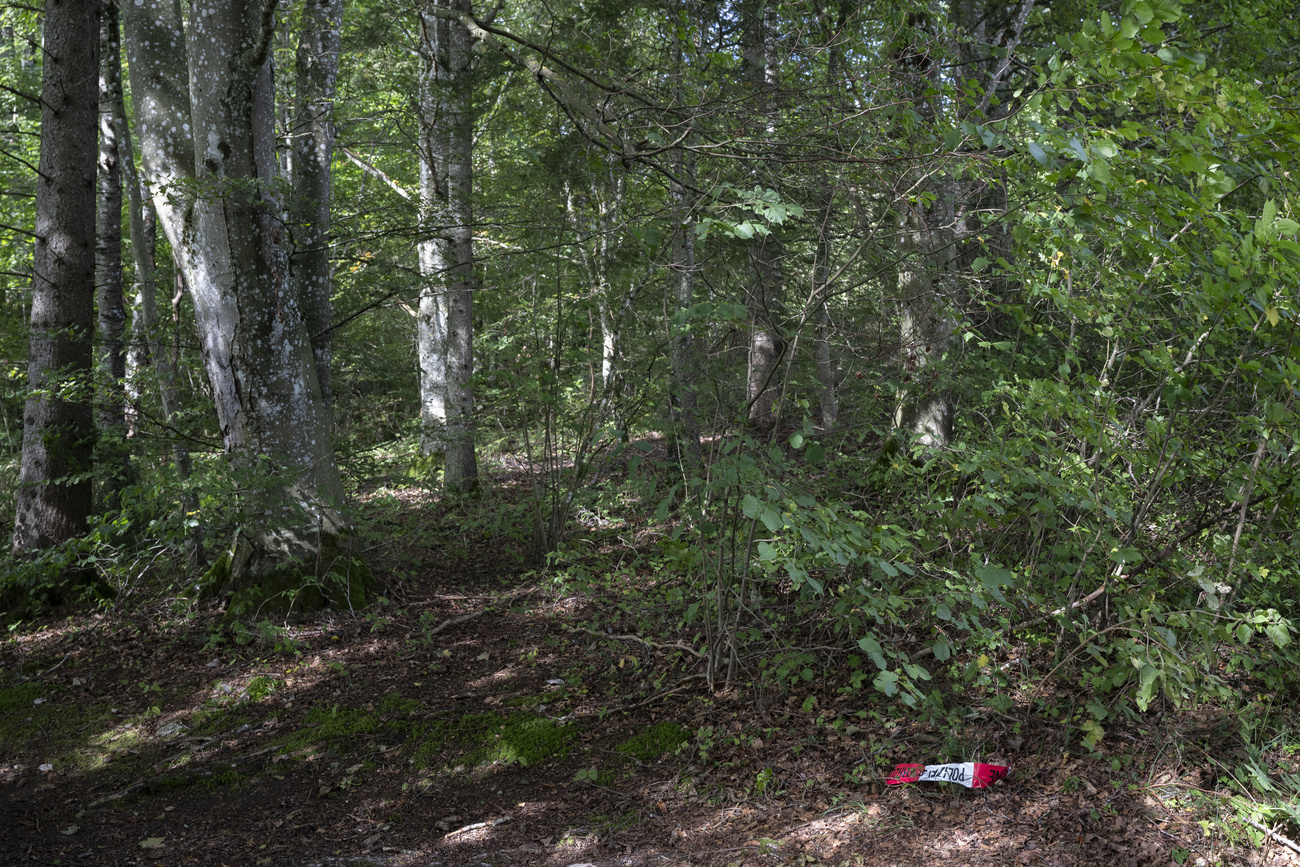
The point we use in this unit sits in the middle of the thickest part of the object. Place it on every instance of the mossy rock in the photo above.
(336, 578)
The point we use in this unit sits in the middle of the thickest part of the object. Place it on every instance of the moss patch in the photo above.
(488, 737)
(654, 742)
(394, 704)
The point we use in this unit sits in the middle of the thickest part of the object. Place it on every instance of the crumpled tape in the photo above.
(972, 775)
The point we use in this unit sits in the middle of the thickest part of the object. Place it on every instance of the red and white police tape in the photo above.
(972, 775)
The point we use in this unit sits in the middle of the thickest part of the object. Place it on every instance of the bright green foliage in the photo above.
(655, 742)
(491, 738)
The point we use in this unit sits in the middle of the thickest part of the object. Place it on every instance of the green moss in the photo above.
(227, 780)
(212, 720)
(394, 704)
(654, 742)
(259, 688)
(16, 704)
(483, 738)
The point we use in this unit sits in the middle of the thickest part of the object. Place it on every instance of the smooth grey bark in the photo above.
(316, 65)
(926, 326)
(145, 348)
(112, 456)
(764, 296)
(445, 324)
(54, 490)
(205, 113)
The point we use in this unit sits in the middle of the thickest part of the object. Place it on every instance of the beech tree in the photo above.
(54, 494)
(317, 68)
(204, 110)
(446, 314)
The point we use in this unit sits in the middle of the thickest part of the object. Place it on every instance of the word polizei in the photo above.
(972, 775)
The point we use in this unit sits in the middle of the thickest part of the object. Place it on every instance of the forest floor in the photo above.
(488, 715)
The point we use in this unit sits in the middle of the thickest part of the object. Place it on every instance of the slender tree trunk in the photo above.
(764, 298)
(445, 322)
(822, 357)
(143, 226)
(825, 364)
(113, 458)
(684, 393)
(313, 151)
(205, 111)
(54, 490)
(685, 355)
(594, 237)
(925, 409)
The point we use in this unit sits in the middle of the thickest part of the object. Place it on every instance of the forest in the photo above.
(588, 432)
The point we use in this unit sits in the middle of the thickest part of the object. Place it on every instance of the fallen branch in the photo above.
(1285, 841)
(681, 687)
(651, 644)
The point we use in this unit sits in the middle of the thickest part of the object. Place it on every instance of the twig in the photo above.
(477, 825)
(652, 644)
(456, 621)
(1285, 841)
(681, 687)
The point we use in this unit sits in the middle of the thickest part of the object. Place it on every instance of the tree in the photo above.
(764, 294)
(446, 316)
(54, 496)
(317, 68)
(204, 109)
(114, 461)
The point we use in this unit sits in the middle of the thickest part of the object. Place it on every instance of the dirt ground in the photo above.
(479, 718)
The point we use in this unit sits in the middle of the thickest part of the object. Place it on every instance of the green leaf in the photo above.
(815, 453)
(766, 551)
(796, 441)
(886, 682)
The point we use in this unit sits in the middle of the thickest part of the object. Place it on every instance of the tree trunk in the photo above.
(230, 246)
(685, 356)
(925, 409)
(146, 348)
(313, 150)
(54, 490)
(113, 459)
(445, 322)
(684, 392)
(764, 299)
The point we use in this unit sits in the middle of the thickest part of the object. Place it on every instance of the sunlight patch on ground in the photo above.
(497, 677)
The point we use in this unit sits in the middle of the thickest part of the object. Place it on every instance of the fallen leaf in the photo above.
(151, 842)
(70, 830)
